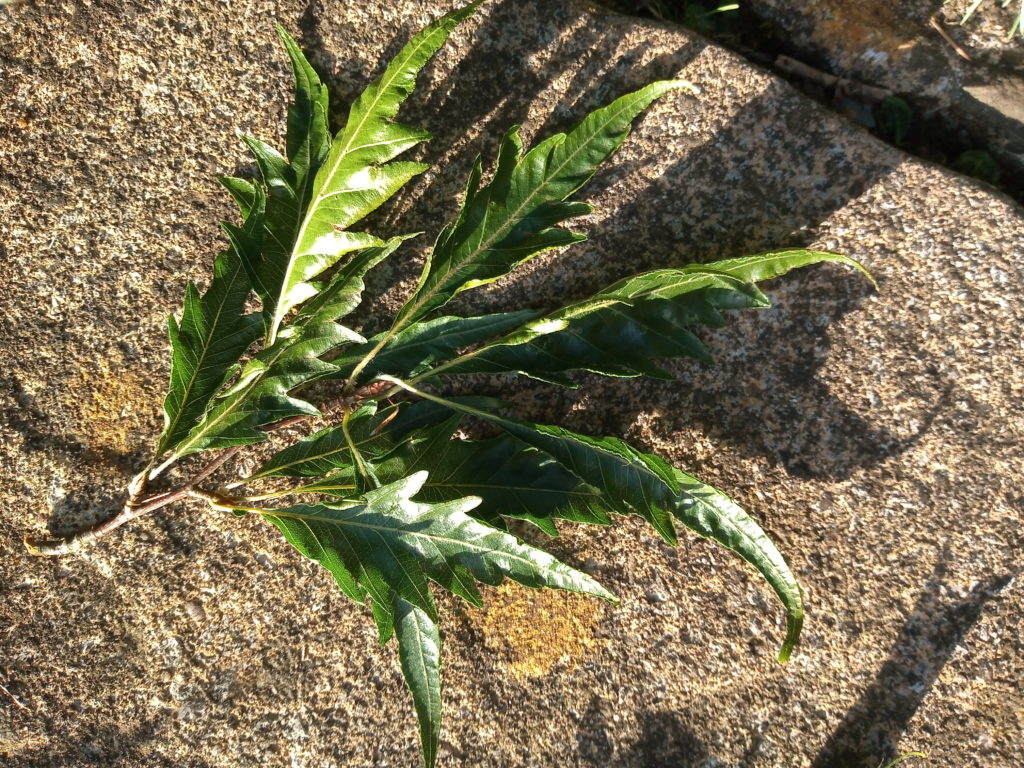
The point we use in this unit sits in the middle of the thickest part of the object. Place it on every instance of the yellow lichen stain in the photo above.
(536, 629)
(856, 26)
(110, 403)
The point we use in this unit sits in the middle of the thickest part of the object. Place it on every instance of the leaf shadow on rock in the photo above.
(69, 660)
(594, 742)
(82, 497)
(936, 625)
(668, 739)
(494, 83)
(755, 187)
(472, 111)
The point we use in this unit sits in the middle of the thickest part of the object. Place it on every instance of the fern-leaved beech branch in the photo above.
(389, 495)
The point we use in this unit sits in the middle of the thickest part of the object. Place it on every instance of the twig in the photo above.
(945, 36)
(212, 467)
(289, 422)
(14, 698)
(128, 513)
(131, 510)
(840, 85)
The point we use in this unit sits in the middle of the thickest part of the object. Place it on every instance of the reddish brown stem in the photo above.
(131, 510)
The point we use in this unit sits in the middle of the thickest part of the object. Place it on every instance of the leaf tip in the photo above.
(32, 547)
(683, 85)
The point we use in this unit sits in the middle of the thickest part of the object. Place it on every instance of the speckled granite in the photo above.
(877, 436)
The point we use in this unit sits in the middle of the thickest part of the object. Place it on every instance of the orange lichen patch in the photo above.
(536, 629)
(111, 402)
(860, 25)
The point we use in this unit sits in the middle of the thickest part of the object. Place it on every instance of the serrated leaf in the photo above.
(344, 292)
(213, 335)
(308, 137)
(388, 546)
(765, 266)
(328, 449)
(619, 331)
(421, 344)
(510, 479)
(288, 181)
(711, 513)
(260, 396)
(515, 216)
(374, 542)
(419, 653)
(356, 176)
(637, 483)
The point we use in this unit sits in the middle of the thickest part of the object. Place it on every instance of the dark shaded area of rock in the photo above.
(876, 436)
(964, 79)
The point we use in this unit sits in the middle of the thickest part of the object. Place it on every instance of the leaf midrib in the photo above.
(380, 530)
(327, 181)
(503, 230)
(206, 348)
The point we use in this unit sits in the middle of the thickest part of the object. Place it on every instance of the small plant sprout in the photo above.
(385, 491)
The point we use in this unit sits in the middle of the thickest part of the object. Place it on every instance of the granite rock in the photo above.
(877, 436)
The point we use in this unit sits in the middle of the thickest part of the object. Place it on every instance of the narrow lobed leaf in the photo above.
(515, 216)
(510, 479)
(261, 394)
(356, 176)
(622, 329)
(214, 332)
(308, 138)
(617, 333)
(422, 344)
(328, 449)
(419, 653)
(637, 483)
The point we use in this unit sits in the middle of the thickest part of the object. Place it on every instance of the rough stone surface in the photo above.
(974, 78)
(877, 436)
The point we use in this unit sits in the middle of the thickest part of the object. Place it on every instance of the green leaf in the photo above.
(637, 483)
(514, 217)
(308, 139)
(388, 546)
(643, 484)
(290, 181)
(419, 653)
(422, 344)
(619, 331)
(344, 292)
(245, 194)
(328, 450)
(260, 395)
(390, 543)
(213, 333)
(510, 479)
(356, 176)
(754, 269)
(711, 513)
